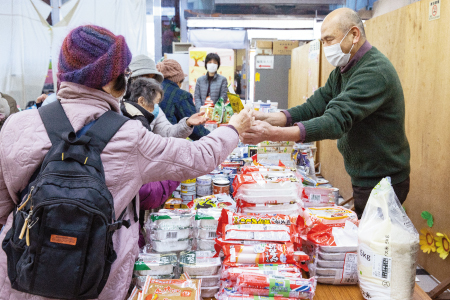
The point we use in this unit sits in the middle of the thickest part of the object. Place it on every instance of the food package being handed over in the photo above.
(388, 245)
(267, 285)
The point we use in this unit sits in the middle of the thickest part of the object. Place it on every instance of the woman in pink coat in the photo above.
(91, 71)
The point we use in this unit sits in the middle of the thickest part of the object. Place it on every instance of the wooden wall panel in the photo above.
(418, 49)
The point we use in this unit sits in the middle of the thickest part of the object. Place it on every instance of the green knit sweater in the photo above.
(364, 109)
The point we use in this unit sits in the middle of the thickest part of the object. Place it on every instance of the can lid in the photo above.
(221, 181)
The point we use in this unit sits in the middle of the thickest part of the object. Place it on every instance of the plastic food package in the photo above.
(154, 264)
(171, 245)
(208, 219)
(232, 273)
(235, 102)
(202, 269)
(170, 220)
(336, 264)
(179, 234)
(208, 281)
(320, 196)
(258, 232)
(228, 113)
(332, 216)
(269, 197)
(206, 234)
(256, 184)
(218, 201)
(388, 245)
(174, 289)
(217, 115)
(205, 245)
(266, 285)
(262, 253)
(332, 256)
(229, 293)
(286, 209)
(209, 292)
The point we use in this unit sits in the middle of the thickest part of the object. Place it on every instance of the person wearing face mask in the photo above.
(211, 85)
(361, 105)
(91, 76)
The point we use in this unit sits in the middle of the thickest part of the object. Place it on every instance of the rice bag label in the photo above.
(279, 287)
(365, 255)
(382, 267)
(350, 273)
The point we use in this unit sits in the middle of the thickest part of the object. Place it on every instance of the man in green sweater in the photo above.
(361, 105)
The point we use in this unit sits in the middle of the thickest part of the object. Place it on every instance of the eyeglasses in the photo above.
(128, 73)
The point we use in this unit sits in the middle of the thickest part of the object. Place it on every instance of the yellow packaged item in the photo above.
(235, 102)
(173, 289)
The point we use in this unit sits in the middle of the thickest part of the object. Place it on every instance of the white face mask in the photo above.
(334, 54)
(212, 68)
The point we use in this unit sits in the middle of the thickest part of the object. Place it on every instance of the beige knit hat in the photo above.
(143, 65)
(171, 70)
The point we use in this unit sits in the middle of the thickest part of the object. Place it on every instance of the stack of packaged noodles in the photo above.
(261, 257)
(331, 239)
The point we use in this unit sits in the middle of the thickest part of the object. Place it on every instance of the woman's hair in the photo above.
(144, 87)
(121, 83)
(210, 57)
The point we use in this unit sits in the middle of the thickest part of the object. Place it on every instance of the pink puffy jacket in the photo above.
(133, 157)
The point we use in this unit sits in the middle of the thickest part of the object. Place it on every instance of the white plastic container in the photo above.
(170, 221)
(188, 188)
(204, 190)
(206, 234)
(204, 180)
(209, 292)
(188, 197)
(208, 281)
(202, 269)
(171, 245)
(269, 198)
(205, 245)
(155, 269)
(180, 234)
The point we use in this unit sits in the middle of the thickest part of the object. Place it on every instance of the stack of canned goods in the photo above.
(204, 186)
(188, 190)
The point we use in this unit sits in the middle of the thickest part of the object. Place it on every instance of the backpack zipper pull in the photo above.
(25, 225)
(26, 201)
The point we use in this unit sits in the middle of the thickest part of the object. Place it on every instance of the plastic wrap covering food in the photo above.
(262, 253)
(204, 245)
(266, 285)
(208, 281)
(232, 273)
(209, 292)
(171, 245)
(292, 209)
(208, 218)
(331, 216)
(162, 234)
(218, 201)
(200, 263)
(258, 232)
(256, 184)
(170, 220)
(174, 289)
(155, 264)
(320, 196)
(230, 293)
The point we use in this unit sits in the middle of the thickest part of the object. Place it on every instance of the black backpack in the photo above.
(60, 244)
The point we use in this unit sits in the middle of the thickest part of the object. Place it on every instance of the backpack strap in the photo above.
(55, 121)
(104, 129)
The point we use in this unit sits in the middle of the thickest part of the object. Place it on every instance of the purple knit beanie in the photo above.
(92, 56)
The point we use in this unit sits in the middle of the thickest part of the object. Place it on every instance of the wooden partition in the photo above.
(419, 50)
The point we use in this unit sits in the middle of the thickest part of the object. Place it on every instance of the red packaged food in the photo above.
(259, 232)
(261, 253)
(266, 285)
(290, 271)
(228, 217)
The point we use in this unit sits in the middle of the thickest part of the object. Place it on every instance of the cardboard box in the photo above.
(264, 51)
(284, 47)
(264, 44)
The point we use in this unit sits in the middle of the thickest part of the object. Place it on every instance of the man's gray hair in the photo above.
(350, 19)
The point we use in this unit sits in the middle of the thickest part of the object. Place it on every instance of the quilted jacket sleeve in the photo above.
(164, 128)
(6, 202)
(177, 159)
(154, 194)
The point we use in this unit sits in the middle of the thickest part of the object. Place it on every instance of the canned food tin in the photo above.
(204, 180)
(232, 169)
(187, 188)
(227, 172)
(204, 190)
(188, 197)
(215, 172)
(221, 186)
(189, 181)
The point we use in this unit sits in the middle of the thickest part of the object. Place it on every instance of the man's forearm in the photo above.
(275, 119)
(278, 134)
